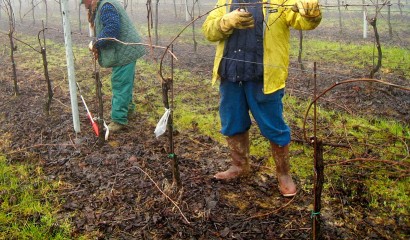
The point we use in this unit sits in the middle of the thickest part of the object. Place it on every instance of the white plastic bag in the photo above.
(162, 124)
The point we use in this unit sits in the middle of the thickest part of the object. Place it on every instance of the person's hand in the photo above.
(93, 49)
(91, 45)
(307, 8)
(239, 19)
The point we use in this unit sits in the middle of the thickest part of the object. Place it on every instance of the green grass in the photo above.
(56, 54)
(168, 33)
(28, 204)
(352, 54)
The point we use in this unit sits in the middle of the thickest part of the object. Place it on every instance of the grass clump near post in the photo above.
(28, 206)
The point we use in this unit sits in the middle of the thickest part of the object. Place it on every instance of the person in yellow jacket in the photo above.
(251, 61)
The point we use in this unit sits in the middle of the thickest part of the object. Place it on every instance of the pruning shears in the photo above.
(93, 123)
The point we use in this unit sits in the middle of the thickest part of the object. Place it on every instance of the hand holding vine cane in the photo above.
(236, 19)
(93, 49)
(307, 8)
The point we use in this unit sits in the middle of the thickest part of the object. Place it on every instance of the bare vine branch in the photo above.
(345, 82)
(159, 189)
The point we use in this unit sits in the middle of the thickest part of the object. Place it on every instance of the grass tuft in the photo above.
(28, 205)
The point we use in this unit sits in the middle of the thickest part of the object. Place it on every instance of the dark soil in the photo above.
(113, 190)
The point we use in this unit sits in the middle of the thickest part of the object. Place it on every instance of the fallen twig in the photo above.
(38, 146)
(159, 189)
(274, 211)
(390, 162)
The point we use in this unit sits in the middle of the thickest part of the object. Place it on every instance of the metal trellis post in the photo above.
(70, 65)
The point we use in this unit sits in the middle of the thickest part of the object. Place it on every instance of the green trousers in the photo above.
(122, 84)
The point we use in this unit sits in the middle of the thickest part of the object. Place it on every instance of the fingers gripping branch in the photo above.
(236, 19)
(307, 8)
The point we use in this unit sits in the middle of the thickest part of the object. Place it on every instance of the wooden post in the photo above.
(187, 18)
(364, 21)
(318, 186)
(13, 48)
(373, 23)
(46, 75)
(13, 63)
(100, 119)
(79, 20)
(32, 12)
(175, 9)
(193, 28)
(318, 171)
(46, 5)
(340, 17)
(389, 19)
(301, 51)
(156, 21)
(167, 86)
(400, 5)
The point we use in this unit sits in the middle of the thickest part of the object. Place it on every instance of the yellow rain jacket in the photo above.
(278, 20)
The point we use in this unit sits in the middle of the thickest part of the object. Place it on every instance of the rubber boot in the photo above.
(115, 127)
(239, 151)
(281, 156)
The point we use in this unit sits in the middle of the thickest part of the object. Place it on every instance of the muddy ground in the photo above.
(113, 191)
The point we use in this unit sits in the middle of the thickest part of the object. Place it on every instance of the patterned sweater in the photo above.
(111, 24)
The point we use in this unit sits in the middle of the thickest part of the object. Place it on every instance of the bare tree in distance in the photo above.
(32, 12)
(373, 22)
(156, 22)
(175, 8)
(45, 4)
(340, 17)
(21, 18)
(192, 14)
(10, 13)
(400, 5)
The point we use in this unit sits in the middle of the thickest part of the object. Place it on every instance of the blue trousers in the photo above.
(238, 98)
(122, 83)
